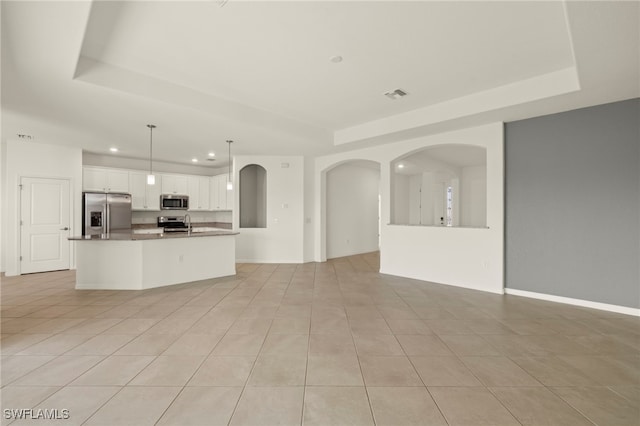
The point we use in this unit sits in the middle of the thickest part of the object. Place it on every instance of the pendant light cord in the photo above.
(229, 142)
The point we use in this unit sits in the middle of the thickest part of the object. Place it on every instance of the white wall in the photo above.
(282, 241)
(30, 159)
(352, 209)
(145, 217)
(252, 186)
(3, 205)
(465, 257)
(473, 193)
(400, 210)
(309, 199)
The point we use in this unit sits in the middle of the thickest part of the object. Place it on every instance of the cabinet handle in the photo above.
(66, 228)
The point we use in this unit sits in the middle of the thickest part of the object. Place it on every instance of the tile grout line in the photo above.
(246, 382)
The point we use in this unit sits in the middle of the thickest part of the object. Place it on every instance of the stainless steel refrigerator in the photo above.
(105, 213)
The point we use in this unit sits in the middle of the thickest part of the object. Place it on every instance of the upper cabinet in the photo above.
(199, 193)
(143, 196)
(205, 193)
(174, 184)
(221, 199)
(105, 180)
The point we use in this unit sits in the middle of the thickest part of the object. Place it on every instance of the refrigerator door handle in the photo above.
(107, 224)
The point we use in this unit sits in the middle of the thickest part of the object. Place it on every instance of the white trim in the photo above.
(577, 302)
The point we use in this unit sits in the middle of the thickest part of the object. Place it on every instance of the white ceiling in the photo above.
(93, 74)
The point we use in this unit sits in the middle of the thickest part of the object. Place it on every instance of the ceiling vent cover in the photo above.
(395, 94)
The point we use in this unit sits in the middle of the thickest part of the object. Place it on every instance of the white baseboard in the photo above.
(576, 302)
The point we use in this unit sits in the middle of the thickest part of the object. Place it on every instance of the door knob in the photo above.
(66, 228)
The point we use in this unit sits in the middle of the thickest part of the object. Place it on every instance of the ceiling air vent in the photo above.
(395, 94)
(25, 137)
(211, 159)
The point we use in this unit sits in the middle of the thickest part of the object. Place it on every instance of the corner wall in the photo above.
(464, 257)
(282, 241)
(30, 159)
(573, 204)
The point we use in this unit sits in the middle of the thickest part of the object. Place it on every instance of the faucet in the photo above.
(187, 219)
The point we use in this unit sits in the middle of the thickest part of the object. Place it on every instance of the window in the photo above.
(444, 185)
(253, 197)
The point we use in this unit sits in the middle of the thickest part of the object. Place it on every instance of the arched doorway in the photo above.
(352, 208)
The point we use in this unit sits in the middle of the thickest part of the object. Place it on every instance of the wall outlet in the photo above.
(181, 258)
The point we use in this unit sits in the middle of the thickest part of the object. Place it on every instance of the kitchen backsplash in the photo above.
(139, 217)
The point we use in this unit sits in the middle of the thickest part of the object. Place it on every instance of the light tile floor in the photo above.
(334, 343)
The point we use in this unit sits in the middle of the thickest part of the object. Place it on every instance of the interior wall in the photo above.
(352, 209)
(3, 205)
(282, 241)
(573, 204)
(309, 209)
(465, 257)
(261, 197)
(473, 196)
(400, 210)
(253, 197)
(30, 159)
(248, 197)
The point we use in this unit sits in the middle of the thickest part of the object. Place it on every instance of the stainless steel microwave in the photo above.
(174, 202)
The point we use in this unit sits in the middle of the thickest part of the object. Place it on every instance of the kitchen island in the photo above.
(132, 261)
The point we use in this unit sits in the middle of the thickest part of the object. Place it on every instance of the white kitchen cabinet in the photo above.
(199, 195)
(174, 184)
(230, 196)
(219, 193)
(214, 193)
(143, 197)
(105, 180)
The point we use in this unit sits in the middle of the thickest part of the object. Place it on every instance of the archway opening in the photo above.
(352, 204)
(444, 185)
(253, 197)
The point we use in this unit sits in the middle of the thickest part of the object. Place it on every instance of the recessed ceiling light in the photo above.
(194, 160)
(395, 94)
(212, 154)
(336, 59)
(113, 149)
(401, 166)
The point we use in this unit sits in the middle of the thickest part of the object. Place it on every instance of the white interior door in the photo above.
(45, 223)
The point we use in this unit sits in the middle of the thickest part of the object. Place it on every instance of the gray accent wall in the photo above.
(572, 189)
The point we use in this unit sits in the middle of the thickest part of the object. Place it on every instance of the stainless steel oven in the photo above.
(174, 202)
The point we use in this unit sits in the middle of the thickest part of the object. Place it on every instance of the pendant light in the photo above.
(151, 179)
(229, 182)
